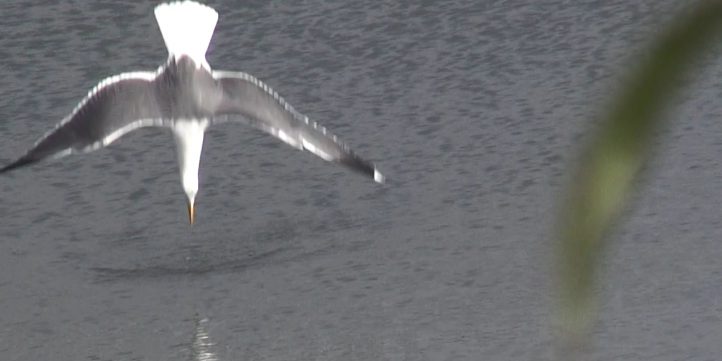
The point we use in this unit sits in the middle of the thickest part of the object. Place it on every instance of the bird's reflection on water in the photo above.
(201, 345)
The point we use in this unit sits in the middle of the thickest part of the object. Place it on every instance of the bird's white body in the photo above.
(187, 28)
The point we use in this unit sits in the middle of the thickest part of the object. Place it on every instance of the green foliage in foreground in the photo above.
(602, 182)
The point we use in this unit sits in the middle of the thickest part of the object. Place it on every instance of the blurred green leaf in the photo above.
(609, 165)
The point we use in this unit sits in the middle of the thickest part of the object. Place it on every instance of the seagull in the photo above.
(187, 96)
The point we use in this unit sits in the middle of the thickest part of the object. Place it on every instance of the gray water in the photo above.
(473, 109)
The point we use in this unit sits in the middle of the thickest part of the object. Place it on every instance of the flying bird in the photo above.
(187, 96)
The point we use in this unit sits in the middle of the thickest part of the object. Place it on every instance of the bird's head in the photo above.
(191, 191)
(191, 212)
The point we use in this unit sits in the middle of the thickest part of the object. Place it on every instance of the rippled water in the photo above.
(472, 109)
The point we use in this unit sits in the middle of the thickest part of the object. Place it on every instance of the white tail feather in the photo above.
(187, 28)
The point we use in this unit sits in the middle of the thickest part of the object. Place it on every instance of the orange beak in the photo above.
(191, 213)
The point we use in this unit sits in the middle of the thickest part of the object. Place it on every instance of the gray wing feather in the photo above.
(114, 107)
(264, 109)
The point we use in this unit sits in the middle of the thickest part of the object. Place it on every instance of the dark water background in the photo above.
(472, 108)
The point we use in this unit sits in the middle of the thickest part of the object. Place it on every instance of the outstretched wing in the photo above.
(114, 107)
(263, 108)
